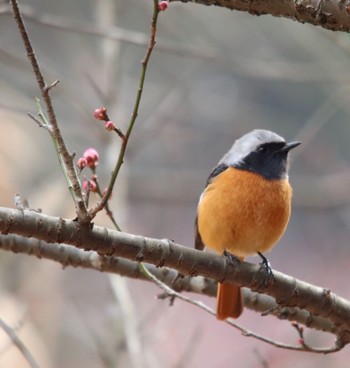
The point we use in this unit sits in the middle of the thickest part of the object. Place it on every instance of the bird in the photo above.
(245, 207)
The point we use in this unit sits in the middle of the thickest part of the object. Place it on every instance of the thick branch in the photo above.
(287, 291)
(67, 255)
(330, 14)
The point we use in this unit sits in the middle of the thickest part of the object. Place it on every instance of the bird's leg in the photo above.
(266, 264)
(231, 259)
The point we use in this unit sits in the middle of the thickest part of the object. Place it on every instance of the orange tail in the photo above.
(229, 301)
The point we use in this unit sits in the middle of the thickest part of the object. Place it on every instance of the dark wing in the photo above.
(217, 170)
(198, 242)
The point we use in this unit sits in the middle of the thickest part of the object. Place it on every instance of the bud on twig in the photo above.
(110, 126)
(81, 163)
(101, 114)
(91, 156)
(163, 5)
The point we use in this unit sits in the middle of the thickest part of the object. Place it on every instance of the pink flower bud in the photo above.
(163, 5)
(90, 184)
(93, 186)
(91, 156)
(85, 185)
(91, 153)
(101, 114)
(110, 125)
(81, 163)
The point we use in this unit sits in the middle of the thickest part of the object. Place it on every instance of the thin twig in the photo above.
(16, 328)
(173, 294)
(129, 319)
(125, 138)
(65, 158)
(300, 331)
(107, 209)
(20, 345)
(261, 359)
(36, 120)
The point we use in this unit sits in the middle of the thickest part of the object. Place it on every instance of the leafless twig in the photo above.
(65, 158)
(20, 345)
(302, 347)
(125, 137)
(129, 320)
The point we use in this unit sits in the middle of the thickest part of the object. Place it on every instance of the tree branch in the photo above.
(287, 291)
(125, 138)
(301, 347)
(167, 279)
(330, 14)
(65, 158)
(70, 256)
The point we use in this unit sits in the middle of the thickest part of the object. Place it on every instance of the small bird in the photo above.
(245, 206)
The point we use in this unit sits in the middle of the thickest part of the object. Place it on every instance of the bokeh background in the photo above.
(215, 75)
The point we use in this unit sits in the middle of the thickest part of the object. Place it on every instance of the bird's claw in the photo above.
(270, 278)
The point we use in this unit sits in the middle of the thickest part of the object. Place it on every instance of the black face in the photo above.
(269, 160)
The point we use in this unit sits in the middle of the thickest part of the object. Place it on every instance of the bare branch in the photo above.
(125, 138)
(331, 14)
(301, 347)
(36, 120)
(65, 158)
(287, 291)
(128, 319)
(20, 345)
(70, 256)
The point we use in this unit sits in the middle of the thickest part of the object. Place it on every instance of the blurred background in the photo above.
(214, 75)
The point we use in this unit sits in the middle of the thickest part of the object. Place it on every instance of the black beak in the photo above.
(289, 146)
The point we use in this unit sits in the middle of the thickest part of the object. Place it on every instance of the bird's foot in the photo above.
(270, 278)
(231, 259)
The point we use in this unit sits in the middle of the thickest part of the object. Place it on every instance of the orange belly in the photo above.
(243, 213)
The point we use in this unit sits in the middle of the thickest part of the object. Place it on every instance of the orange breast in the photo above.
(243, 213)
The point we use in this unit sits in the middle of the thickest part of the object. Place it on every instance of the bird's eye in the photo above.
(262, 149)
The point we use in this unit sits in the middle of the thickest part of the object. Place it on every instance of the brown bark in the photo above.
(330, 14)
(288, 291)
